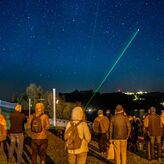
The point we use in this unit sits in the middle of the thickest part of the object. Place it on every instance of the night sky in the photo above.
(72, 44)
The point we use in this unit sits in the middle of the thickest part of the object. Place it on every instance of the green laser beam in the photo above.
(126, 47)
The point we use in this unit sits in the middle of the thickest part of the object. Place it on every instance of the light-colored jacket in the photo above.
(45, 125)
(83, 130)
(162, 118)
(3, 123)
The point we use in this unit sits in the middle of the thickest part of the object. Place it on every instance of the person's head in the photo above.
(39, 108)
(18, 108)
(152, 109)
(119, 109)
(77, 114)
(100, 112)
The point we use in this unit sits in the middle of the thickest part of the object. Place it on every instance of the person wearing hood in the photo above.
(120, 130)
(79, 155)
(162, 120)
(17, 121)
(39, 142)
(3, 130)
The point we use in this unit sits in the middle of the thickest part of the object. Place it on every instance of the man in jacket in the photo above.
(162, 119)
(39, 139)
(101, 128)
(146, 134)
(3, 131)
(120, 130)
(17, 121)
(153, 124)
(79, 155)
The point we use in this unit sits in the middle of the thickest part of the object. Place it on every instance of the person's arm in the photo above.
(111, 129)
(87, 134)
(5, 126)
(46, 122)
(28, 125)
(129, 127)
(95, 125)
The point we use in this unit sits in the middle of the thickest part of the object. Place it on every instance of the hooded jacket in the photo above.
(83, 130)
(39, 111)
(3, 124)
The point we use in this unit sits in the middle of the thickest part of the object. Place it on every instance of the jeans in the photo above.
(39, 147)
(77, 158)
(16, 138)
(152, 144)
(120, 149)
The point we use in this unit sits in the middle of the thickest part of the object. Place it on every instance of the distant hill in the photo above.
(110, 100)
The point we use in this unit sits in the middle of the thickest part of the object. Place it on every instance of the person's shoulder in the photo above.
(45, 116)
(105, 117)
(84, 123)
(23, 114)
(96, 119)
(158, 116)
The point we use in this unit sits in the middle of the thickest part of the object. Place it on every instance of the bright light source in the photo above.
(162, 103)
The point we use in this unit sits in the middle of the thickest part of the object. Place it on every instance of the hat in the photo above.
(100, 111)
(119, 109)
(152, 109)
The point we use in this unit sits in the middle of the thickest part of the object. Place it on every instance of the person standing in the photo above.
(3, 131)
(101, 128)
(17, 121)
(153, 124)
(146, 134)
(120, 129)
(108, 114)
(79, 155)
(162, 119)
(39, 125)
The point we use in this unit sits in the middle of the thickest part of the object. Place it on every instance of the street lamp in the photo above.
(54, 106)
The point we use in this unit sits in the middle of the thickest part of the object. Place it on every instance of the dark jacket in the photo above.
(154, 125)
(17, 121)
(120, 127)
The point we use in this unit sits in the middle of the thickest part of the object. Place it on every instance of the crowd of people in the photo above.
(118, 129)
(124, 132)
(38, 123)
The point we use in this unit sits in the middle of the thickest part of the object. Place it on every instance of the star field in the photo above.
(70, 44)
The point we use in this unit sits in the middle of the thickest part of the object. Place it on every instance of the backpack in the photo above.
(36, 124)
(72, 139)
(98, 124)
